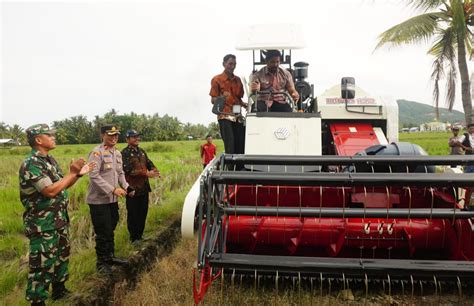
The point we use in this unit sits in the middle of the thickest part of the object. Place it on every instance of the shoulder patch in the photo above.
(96, 153)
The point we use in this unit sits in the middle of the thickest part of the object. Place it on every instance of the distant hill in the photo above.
(414, 113)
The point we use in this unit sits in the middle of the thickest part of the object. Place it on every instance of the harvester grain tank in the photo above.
(328, 192)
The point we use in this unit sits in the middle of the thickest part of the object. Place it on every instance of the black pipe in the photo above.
(331, 212)
(348, 160)
(344, 179)
(345, 267)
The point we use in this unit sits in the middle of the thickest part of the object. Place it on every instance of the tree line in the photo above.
(79, 130)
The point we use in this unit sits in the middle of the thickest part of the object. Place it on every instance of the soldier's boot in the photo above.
(38, 304)
(59, 291)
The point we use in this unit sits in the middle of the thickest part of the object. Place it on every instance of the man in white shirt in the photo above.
(467, 141)
(454, 142)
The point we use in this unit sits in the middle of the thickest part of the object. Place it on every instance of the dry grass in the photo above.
(169, 282)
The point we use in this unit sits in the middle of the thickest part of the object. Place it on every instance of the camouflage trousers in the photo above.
(48, 261)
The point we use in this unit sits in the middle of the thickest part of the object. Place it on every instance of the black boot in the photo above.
(59, 291)
(115, 261)
(103, 266)
(38, 304)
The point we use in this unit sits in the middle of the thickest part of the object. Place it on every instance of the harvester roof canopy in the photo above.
(271, 36)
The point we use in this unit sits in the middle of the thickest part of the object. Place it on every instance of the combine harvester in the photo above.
(320, 194)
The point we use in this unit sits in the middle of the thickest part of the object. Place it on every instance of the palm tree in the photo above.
(447, 23)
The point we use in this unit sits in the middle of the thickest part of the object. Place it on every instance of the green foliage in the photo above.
(77, 130)
(448, 24)
(14, 132)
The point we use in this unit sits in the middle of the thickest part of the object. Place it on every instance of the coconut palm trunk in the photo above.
(465, 83)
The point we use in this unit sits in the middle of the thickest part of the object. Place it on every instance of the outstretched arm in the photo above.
(77, 169)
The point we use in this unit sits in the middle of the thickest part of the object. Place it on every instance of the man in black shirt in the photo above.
(138, 169)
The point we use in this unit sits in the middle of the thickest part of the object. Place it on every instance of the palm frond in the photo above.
(426, 5)
(444, 51)
(451, 86)
(437, 75)
(415, 29)
(445, 44)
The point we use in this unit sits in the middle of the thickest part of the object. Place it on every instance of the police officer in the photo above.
(138, 168)
(106, 184)
(43, 194)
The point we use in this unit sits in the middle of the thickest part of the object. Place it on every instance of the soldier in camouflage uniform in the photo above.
(44, 196)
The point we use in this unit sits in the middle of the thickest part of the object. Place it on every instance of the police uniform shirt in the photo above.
(106, 176)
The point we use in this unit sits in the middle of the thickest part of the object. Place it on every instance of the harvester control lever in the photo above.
(274, 93)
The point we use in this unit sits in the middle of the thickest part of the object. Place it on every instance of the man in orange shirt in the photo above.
(230, 87)
(208, 151)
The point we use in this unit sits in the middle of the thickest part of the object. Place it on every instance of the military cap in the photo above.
(132, 133)
(39, 129)
(110, 129)
(456, 127)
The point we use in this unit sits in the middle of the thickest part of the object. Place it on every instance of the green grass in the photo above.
(179, 164)
(435, 143)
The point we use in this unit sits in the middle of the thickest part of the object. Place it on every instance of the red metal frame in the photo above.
(350, 138)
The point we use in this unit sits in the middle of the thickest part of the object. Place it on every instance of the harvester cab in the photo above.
(328, 192)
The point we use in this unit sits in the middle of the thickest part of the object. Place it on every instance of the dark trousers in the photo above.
(276, 107)
(104, 219)
(233, 135)
(137, 209)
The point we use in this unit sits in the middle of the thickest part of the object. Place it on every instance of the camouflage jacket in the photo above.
(136, 164)
(41, 213)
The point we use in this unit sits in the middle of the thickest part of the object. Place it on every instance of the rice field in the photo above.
(179, 164)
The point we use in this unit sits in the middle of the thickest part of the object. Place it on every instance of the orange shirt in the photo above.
(221, 83)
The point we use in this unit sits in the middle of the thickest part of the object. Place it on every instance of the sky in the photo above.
(63, 58)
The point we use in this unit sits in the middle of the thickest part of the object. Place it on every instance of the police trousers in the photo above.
(48, 262)
(104, 219)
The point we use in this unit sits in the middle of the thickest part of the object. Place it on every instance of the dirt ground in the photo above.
(169, 281)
